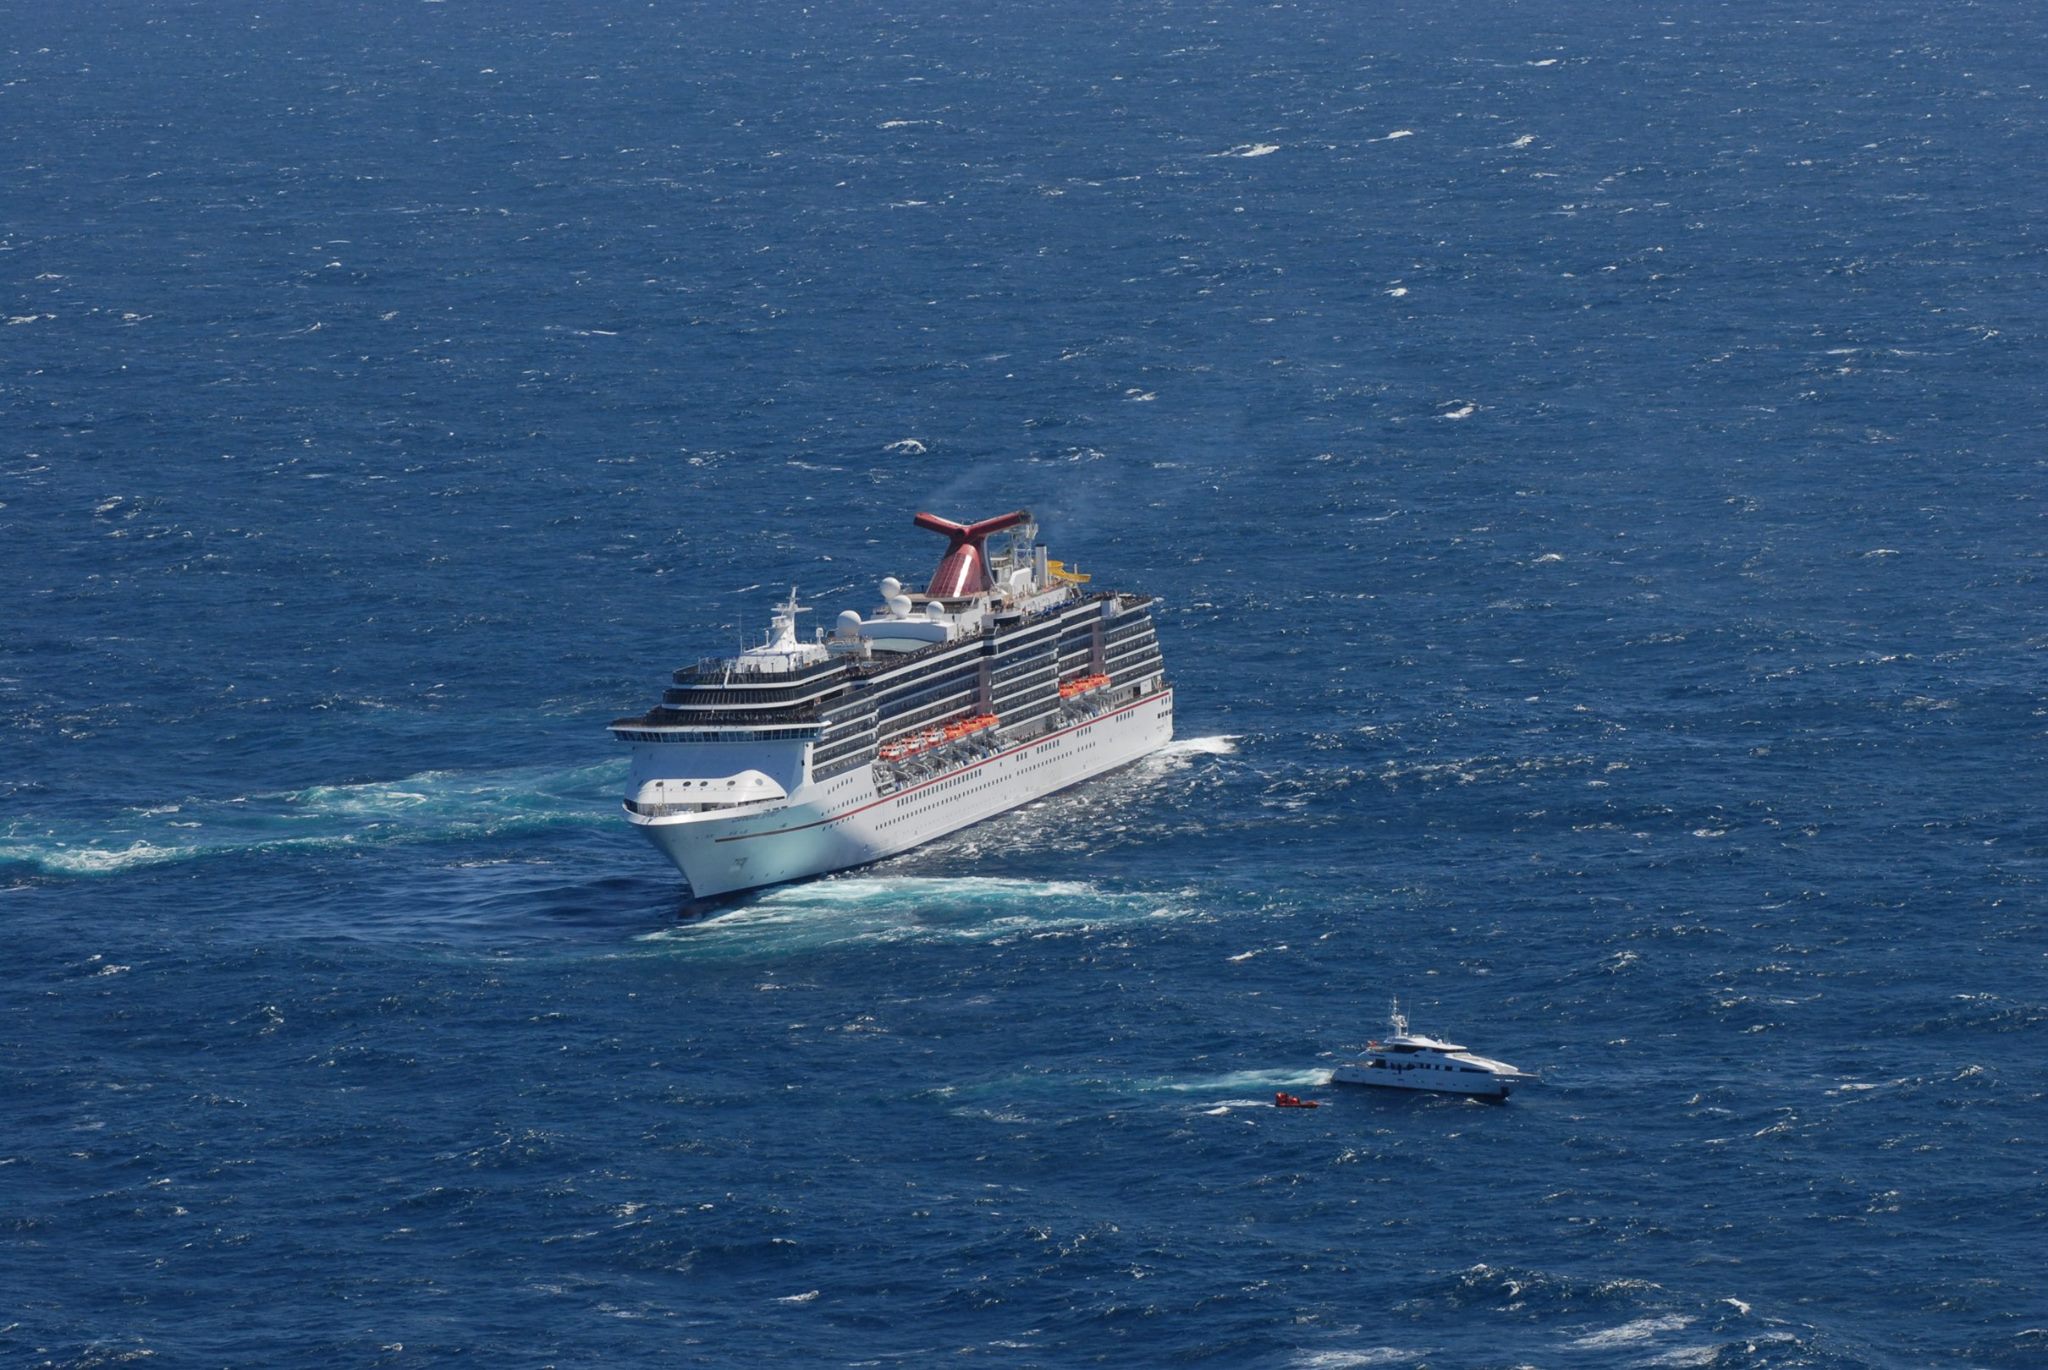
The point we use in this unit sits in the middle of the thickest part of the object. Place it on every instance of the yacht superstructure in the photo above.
(1409, 1060)
(1006, 679)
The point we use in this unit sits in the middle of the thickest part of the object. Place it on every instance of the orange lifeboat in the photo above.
(912, 744)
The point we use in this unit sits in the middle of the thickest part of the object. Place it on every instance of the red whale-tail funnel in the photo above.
(964, 570)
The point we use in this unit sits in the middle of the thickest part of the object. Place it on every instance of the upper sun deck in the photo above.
(979, 595)
(1416, 1042)
(723, 673)
(717, 671)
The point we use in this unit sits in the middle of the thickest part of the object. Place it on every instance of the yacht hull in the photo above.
(1419, 1081)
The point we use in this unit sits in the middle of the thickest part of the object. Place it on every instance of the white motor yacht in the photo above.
(1407, 1060)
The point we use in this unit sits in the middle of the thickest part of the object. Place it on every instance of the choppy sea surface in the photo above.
(1593, 461)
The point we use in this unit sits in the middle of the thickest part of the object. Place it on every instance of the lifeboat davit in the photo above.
(1086, 684)
(914, 744)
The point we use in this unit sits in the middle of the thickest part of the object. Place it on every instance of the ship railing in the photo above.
(713, 670)
(766, 716)
(665, 810)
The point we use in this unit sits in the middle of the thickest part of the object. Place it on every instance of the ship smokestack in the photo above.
(964, 569)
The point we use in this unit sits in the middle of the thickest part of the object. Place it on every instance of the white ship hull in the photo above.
(1423, 1081)
(846, 821)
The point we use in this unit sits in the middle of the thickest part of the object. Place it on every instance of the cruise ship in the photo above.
(1006, 679)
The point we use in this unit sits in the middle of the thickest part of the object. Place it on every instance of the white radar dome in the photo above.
(899, 606)
(935, 611)
(891, 587)
(849, 624)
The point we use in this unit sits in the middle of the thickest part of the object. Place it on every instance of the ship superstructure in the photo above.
(1005, 679)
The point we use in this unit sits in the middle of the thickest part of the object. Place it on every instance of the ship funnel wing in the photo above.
(964, 569)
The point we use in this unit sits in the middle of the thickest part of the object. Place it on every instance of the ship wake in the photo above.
(887, 910)
(432, 806)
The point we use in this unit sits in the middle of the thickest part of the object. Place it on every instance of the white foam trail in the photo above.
(883, 910)
(425, 807)
(1265, 1080)
(871, 889)
(1222, 744)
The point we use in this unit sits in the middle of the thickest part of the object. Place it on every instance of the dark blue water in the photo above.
(1593, 460)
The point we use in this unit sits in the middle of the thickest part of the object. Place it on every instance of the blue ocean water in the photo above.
(1593, 462)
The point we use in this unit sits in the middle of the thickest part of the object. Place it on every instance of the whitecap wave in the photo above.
(1634, 1333)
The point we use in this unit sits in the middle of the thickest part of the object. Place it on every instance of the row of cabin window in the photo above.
(912, 692)
(1031, 665)
(952, 704)
(825, 756)
(756, 735)
(897, 697)
(701, 694)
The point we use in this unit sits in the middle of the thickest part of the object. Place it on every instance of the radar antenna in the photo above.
(964, 570)
(782, 633)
